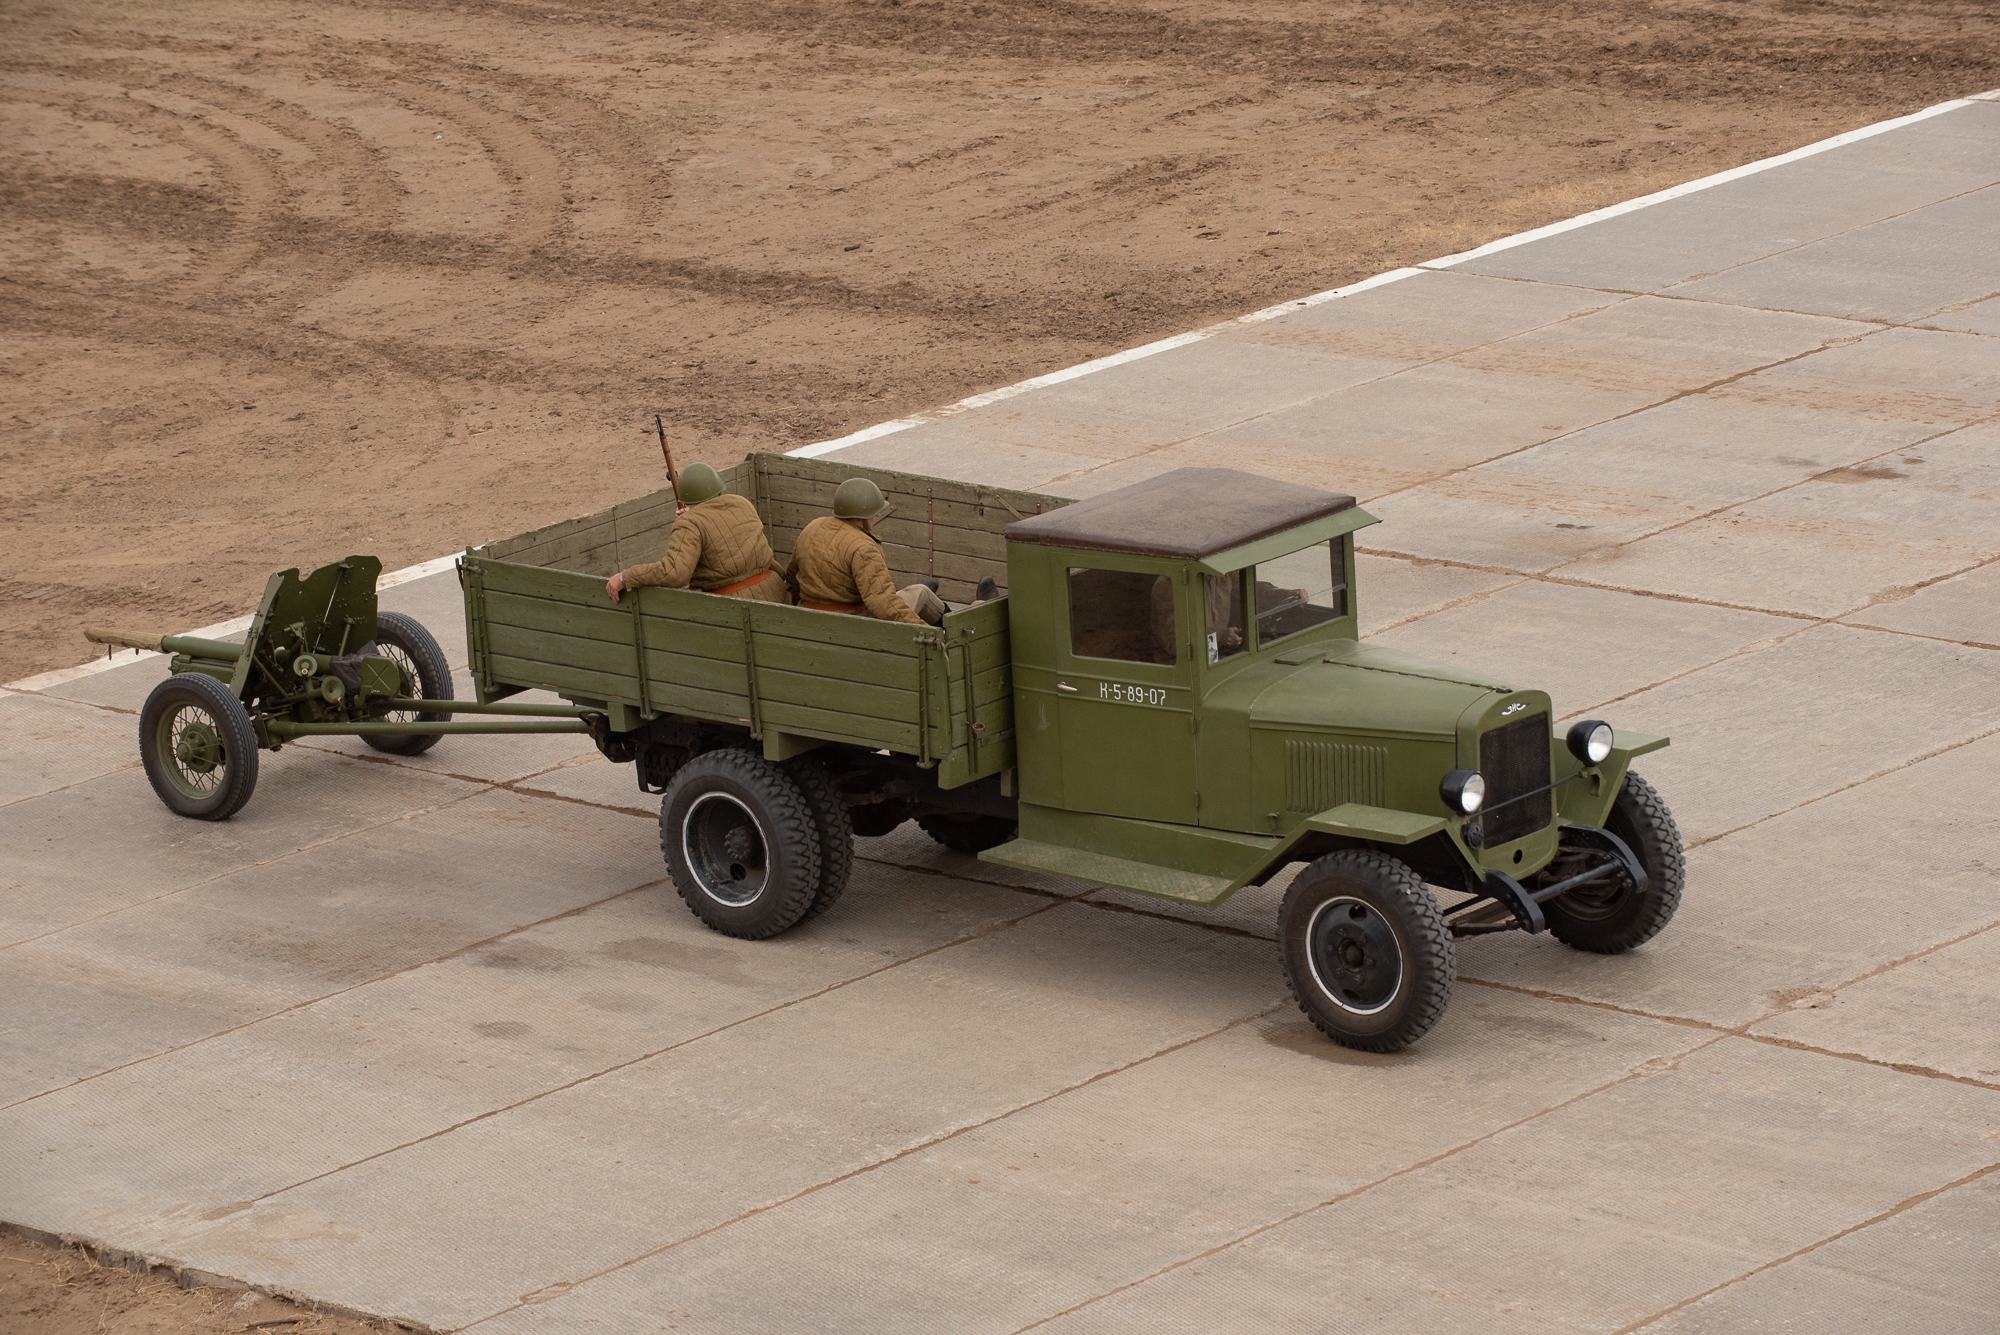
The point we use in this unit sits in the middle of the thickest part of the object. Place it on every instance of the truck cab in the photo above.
(1194, 712)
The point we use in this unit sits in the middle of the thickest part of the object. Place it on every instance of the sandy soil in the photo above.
(279, 282)
(46, 1291)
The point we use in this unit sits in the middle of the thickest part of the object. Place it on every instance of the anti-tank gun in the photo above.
(319, 660)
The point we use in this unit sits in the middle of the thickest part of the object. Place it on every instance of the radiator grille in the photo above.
(1319, 775)
(1514, 757)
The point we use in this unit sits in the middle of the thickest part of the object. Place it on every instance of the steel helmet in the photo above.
(858, 498)
(699, 483)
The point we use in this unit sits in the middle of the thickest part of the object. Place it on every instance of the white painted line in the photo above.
(1102, 363)
(221, 630)
(1705, 183)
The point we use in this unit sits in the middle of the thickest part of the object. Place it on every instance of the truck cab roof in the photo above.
(1188, 514)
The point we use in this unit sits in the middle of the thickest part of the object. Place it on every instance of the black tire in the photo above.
(405, 641)
(1365, 950)
(1611, 917)
(740, 843)
(968, 834)
(198, 746)
(836, 832)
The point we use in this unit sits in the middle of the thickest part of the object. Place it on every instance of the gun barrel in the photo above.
(125, 639)
(191, 645)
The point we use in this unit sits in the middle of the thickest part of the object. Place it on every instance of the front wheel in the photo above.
(741, 843)
(199, 747)
(1365, 950)
(404, 641)
(1612, 915)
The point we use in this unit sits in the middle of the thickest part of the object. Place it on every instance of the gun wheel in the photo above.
(404, 641)
(199, 747)
(1365, 950)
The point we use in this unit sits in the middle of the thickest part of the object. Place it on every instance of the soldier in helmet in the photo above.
(717, 546)
(837, 564)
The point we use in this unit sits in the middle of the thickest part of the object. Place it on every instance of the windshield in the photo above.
(1304, 589)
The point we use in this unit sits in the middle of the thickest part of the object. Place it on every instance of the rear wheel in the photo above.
(1365, 950)
(968, 834)
(404, 641)
(1610, 916)
(741, 843)
(836, 832)
(198, 745)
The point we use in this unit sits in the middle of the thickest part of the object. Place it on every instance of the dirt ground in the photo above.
(279, 282)
(284, 281)
(51, 1291)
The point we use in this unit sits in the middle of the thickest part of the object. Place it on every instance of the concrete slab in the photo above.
(1427, 317)
(1583, 646)
(275, 934)
(1980, 317)
(1828, 546)
(139, 851)
(1596, 1215)
(147, 1153)
(1049, 1207)
(1900, 270)
(1391, 590)
(1938, 1012)
(1744, 220)
(1965, 608)
(60, 744)
(1928, 1268)
(650, 1155)
(1933, 376)
(1813, 899)
(1828, 708)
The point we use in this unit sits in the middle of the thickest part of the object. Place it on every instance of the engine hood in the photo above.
(1347, 686)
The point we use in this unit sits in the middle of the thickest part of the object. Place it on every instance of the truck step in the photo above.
(1143, 878)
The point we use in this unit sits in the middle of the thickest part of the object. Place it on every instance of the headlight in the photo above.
(1590, 741)
(1463, 790)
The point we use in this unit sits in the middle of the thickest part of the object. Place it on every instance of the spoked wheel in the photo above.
(1365, 950)
(404, 641)
(199, 748)
(968, 834)
(741, 843)
(1613, 915)
(836, 831)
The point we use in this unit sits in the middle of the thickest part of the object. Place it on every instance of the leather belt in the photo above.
(743, 583)
(849, 608)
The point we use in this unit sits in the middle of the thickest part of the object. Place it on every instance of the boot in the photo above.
(988, 590)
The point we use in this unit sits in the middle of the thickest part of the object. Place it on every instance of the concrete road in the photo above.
(433, 1039)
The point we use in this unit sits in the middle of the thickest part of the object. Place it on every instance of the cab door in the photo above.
(1124, 697)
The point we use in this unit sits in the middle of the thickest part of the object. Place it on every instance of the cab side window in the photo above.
(1222, 596)
(1122, 614)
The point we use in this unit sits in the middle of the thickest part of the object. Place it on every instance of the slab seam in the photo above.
(1890, 1213)
(1438, 360)
(1648, 1068)
(975, 935)
(931, 1143)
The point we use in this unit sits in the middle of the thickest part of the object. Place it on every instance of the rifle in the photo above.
(673, 474)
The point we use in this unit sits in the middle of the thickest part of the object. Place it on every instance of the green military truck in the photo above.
(1169, 698)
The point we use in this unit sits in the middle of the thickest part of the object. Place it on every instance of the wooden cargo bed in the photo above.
(537, 617)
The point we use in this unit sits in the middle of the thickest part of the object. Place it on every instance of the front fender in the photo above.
(1381, 825)
(1587, 801)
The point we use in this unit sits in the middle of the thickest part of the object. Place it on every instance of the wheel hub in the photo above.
(1356, 959)
(725, 849)
(197, 749)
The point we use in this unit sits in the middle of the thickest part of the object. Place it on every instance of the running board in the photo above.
(1142, 878)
